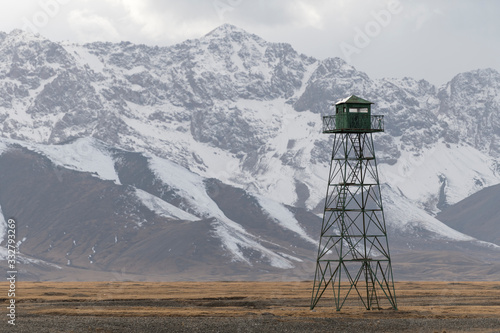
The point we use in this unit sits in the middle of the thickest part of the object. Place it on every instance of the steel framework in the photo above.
(353, 253)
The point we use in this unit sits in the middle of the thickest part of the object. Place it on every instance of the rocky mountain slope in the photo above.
(205, 159)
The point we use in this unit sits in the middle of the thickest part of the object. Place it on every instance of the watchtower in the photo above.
(353, 252)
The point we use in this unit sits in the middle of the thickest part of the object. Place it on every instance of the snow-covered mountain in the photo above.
(114, 210)
(139, 158)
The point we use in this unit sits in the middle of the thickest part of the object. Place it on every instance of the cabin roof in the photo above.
(353, 99)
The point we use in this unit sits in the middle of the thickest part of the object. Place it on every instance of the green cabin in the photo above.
(353, 113)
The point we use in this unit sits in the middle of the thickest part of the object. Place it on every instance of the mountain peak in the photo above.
(18, 34)
(232, 32)
(225, 29)
(482, 73)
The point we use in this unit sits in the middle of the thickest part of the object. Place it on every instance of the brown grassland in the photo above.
(431, 306)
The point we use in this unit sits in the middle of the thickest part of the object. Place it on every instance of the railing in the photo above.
(349, 122)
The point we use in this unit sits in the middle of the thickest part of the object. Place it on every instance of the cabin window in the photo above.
(358, 110)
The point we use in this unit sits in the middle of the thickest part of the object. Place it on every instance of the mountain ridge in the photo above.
(240, 118)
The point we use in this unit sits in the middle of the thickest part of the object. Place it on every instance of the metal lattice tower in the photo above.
(353, 253)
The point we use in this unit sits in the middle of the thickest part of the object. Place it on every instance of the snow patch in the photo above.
(3, 147)
(284, 217)
(85, 155)
(84, 57)
(3, 227)
(290, 257)
(163, 208)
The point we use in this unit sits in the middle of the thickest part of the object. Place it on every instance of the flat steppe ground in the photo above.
(246, 307)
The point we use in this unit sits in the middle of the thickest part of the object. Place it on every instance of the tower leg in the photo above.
(353, 252)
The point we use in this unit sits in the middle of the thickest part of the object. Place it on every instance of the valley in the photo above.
(249, 306)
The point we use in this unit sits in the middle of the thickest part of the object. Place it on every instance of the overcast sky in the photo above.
(424, 39)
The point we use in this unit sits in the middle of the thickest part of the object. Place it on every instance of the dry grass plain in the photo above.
(248, 307)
